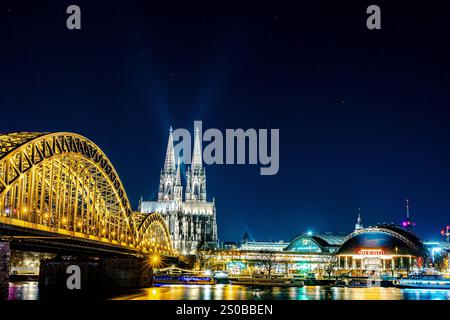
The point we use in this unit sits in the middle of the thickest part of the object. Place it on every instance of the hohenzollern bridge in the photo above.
(59, 192)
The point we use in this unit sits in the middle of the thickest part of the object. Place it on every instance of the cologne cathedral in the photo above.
(192, 220)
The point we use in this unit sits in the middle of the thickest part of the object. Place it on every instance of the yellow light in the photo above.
(64, 221)
(104, 231)
(154, 260)
(79, 224)
(46, 216)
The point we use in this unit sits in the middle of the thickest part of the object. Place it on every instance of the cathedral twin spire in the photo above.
(170, 187)
(197, 157)
(169, 163)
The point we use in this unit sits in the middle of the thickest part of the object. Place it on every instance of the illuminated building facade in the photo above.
(320, 243)
(305, 254)
(264, 245)
(439, 252)
(372, 251)
(192, 220)
(380, 250)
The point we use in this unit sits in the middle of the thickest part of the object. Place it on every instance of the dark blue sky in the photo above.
(363, 115)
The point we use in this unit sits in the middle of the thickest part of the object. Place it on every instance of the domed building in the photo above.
(318, 243)
(384, 249)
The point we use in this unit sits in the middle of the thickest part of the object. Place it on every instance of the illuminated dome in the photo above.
(318, 243)
(390, 240)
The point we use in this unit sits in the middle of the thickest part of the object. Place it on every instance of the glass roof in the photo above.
(331, 239)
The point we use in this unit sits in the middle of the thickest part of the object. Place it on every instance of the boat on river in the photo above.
(424, 281)
(360, 282)
(268, 282)
(183, 279)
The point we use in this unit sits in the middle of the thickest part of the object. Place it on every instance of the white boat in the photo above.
(267, 282)
(424, 282)
(183, 279)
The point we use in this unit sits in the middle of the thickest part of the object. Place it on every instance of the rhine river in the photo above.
(30, 291)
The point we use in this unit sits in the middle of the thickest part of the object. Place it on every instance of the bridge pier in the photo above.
(5, 253)
(96, 275)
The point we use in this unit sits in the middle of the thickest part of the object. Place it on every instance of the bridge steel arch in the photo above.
(63, 183)
(152, 228)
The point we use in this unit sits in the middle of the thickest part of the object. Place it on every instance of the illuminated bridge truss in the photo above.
(62, 183)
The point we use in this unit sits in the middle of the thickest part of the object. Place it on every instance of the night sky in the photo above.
(363, 115)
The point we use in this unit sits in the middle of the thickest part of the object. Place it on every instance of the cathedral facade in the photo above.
(191, 218)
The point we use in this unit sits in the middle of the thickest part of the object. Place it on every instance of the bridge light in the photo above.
(103, 231)
(64, 221)
(155, 259)
(79, 224)
(46, 216)
(24, 210)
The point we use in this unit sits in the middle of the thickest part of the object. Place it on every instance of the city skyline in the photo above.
(362, 114)
(398, 220)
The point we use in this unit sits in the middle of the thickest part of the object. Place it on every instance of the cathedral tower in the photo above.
(178, 188)
(196, 174)
(192, 223)
(167, 178)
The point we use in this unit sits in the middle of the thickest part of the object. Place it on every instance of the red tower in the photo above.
(446, 232)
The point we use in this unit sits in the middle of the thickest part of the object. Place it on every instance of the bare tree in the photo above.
(203, 254)
(440, 263)
(267, 261)
(329, 265)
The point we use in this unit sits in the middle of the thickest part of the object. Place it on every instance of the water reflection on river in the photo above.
(30, 291)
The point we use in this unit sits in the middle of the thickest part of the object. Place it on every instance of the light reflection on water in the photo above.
(30, 291)
(26, 290)
(233, 292)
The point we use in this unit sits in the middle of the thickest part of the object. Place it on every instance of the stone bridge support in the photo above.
(5, 253)
(105, 273)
